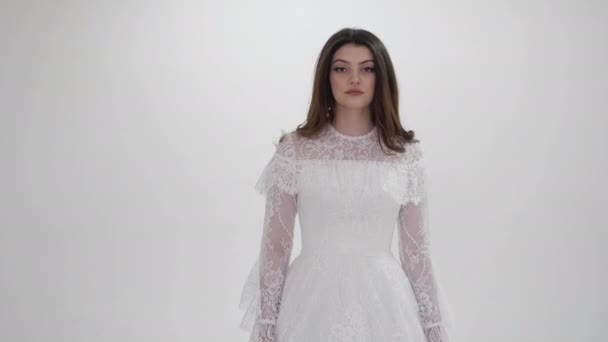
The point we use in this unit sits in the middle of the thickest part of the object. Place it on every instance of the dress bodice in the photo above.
(349, 193)
(346, 201)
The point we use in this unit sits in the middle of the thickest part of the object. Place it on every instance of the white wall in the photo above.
(132, 133)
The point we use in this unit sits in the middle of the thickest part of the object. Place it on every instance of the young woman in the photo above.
(352, 174)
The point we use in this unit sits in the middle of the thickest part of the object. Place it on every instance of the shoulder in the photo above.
(287, 137)
(290, 138)
(413, 152)
(285, 143)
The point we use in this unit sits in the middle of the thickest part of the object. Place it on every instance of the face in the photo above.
(352, 68)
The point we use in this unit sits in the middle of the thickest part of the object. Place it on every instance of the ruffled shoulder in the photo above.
(416, 180)
(281, 169)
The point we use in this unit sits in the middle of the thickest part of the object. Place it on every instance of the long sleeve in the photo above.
(414, 248)
(277, 183)
(415, 258)
(275, 253)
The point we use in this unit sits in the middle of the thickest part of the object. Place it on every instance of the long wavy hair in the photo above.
(385, 104)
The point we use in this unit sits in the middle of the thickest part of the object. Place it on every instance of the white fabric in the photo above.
(346, 284)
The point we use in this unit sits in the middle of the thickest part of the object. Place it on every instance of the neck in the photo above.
(353, 121)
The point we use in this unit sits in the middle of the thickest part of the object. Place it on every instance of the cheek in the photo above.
(334, 81)
(372, 80)
(371, 84)
(333, 78)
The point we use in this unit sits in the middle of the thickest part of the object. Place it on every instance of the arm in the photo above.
(415, 258)
(414, 247)
(275, 253)
(261, 297)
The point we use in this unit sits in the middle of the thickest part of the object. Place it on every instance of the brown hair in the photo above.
(384, 106)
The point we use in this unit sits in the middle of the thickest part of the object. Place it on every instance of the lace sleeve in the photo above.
(262, 293)
(414, 250)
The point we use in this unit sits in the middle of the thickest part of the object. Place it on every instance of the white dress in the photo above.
(346, 285)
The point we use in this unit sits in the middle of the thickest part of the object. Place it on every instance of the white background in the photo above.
(132, 133)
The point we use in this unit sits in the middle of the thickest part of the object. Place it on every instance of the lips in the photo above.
(354, 92)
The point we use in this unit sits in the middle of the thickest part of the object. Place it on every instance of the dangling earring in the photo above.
(328, 110)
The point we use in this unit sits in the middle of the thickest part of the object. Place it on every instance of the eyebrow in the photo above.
(347, 62)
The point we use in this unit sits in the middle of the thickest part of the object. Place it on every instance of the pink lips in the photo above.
(354, 93)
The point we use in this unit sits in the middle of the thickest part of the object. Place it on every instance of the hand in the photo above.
(433, 334)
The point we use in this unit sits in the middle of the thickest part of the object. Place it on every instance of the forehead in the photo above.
(353, 53)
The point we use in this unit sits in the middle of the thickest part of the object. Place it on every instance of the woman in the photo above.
(352, 174)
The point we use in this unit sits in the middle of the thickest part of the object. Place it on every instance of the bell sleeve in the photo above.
(261, 295)
(415, 252)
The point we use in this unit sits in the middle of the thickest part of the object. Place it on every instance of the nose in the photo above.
(355, 78)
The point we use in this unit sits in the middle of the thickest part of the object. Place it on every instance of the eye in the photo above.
(338, 69)
(370, 69)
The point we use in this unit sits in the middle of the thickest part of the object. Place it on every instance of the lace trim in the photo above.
(417, 184)
(405, 180)
(351, 137)
(250, 304)
(413, 166)
(280, 171)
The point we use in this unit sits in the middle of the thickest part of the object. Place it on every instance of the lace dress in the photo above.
(346, 285)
